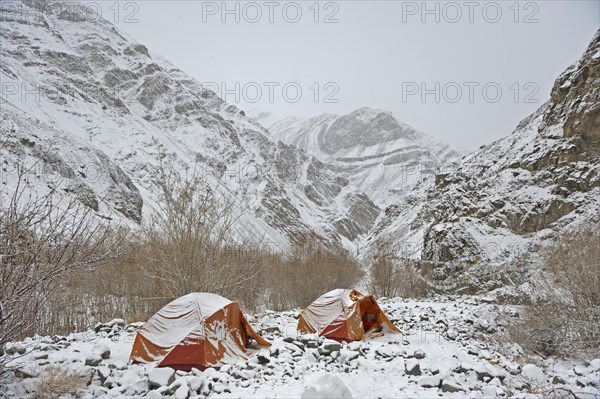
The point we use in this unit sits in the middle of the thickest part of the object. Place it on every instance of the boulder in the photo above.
(93, 359)
(153, 395)
(102, 350)
(385, 352)
(349, 355)
(451, 334)
(327, 387)
(262, 359)
(331, 345)
(449, 384)
(431, 381)
(412, 367)
(183, 392)
(160, 377)
(534, 374)
(195, 383)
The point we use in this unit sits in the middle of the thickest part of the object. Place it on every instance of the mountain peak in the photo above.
(368, 114)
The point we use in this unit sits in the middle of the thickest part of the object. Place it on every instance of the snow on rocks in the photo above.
(102, 350)
(412, 367)
(431, 381)
(331, 345)
(449, 384)
(327, 387)
(423, 361)
(534, 374)
(160, 377)
(93, 359)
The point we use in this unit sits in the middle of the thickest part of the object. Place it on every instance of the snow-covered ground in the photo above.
(449, 347)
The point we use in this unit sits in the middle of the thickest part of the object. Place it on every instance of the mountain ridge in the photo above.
(95, 90)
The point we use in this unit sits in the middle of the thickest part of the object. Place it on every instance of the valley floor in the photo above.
(450, 347)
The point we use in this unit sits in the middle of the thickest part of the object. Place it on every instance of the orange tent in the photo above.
(197, 330)
(344, 315)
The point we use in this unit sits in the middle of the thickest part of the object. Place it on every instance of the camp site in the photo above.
(299, 199)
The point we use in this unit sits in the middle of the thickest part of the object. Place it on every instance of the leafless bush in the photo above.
(566, 318)
(57, 380)
(43, 239)
(307, 272)
(393, 274)
(189, 243)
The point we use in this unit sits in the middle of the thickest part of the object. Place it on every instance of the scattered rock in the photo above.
(153, 395)
(430, 382)
(183, 392)
(558, 380)
(103, 373)
(116, 322)
(102, 350)
(385, 352)
(451, 334)
(331, 345)
(262, 359)
(449, 384)
(118, 365)
(93, 359)
(349, 355)
(323, 351)
(195, 383)
(533, 373)
(14, 348)
(327, 386)
(160, 377)
(412, 367)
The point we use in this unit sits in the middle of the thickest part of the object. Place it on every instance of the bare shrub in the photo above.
(308, 271)
(43, 239)
(565, 319)
(393, 274)
(57, 380)
(189, 244)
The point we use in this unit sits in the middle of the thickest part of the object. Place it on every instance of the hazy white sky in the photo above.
(465, 72)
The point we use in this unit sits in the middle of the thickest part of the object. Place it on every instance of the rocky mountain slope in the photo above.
(517, 192)
(380, 155)
(89, 111)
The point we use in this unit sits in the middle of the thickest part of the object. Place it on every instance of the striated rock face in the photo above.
(575, 101)
(93, 111)
(361, 212)
(379, 154)
(521, 190)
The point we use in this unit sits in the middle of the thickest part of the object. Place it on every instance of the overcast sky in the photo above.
(463, 72)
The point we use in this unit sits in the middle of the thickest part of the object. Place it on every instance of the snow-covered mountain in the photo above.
(91, 111)
(380, 155)
(537, 183)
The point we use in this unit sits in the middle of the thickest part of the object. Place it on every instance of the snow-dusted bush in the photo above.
(58, 380)
(565, 319)
(392, 274)
(43, 240)
(311, 269)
